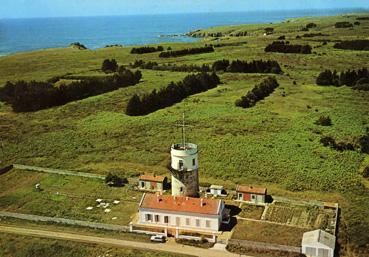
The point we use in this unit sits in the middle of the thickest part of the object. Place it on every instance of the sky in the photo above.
(64, 8)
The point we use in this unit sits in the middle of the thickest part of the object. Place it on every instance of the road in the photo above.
(167, 247)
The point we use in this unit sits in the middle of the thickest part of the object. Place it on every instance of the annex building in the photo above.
(181, 215)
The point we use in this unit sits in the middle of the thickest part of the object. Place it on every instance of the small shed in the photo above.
(152, 183)
(251, 194)
(216, 190)
(318, 243)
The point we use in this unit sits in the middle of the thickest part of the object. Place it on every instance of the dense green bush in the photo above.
(173, 93)
(359, 45)
(146, 49)
(286, 47)
(188, 51)
(324, 121)
(32, 96)
(170, 67)
(259, 92)
(343, 24)
(114, 180)
(356, 79)
(109, 66)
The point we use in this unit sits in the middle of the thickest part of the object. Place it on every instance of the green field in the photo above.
(274, 144)
(66, 197)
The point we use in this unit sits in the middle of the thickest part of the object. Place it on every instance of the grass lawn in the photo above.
(268, 233)
(66, 197)
(21, 246)
(274, 144)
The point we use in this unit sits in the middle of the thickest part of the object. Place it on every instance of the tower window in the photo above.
(180, 164)
(193, 162)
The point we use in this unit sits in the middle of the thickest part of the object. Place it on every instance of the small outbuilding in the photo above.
(318, 243)
(251, 194)
(152, 183)
(216, 190)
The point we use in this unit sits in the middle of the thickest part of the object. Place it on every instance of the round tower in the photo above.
(184, 170)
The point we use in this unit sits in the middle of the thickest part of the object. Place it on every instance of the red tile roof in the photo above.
(250, 189)
(181, 204)
(152, 178)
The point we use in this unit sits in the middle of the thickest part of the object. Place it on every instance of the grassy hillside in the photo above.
(274, 144)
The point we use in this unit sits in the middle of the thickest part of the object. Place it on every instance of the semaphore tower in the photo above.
(184, 167)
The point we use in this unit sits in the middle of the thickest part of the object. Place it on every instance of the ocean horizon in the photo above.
(29, 34)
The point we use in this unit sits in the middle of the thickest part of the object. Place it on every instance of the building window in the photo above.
(156, 218)
(166, 219)
(193, 162)
(197, 223)
(181, 189)
(208, 223)
(187, 221)
(142, 184)
(177, 221)
(148, 217)
(180, 164)
(240, 196)
(253, 197)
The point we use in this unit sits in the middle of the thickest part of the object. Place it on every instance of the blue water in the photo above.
(94, 32)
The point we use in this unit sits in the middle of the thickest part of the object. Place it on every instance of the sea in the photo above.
(18, 35)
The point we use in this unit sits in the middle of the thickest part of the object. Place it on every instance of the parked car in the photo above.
(158, 238)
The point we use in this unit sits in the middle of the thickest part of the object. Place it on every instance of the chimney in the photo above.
(157, 198)
(186, 198)
(202, 202)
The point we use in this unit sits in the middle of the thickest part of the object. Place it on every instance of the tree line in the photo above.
(170, 67)
(255, 66)
(286, 47)
(343, 24)
(359, 45)
(259, 92)
(31, 96)
(172, 94)
(187, 51)
(357, 79)
(146, 49)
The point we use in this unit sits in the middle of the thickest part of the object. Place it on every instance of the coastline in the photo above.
(139, 38)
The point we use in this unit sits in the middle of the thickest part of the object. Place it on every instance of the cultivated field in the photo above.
(275, 144)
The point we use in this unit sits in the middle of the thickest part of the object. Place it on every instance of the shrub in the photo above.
(259, 92)
(359, 45)
(352, 78)
(114, 180)
(285, 47)
(109, 66)
(366, 172)
(173, 93)
(78, 45)
(198, 50)
(146, 49)
(343, 24)
(32, 96)
(324, 121)
(311, 25)
(259, 66)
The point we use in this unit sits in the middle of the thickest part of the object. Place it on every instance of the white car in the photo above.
(158, 238)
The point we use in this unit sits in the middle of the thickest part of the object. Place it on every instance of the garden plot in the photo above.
(300, 215)
(67, 197)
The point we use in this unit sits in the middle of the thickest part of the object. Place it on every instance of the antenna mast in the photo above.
(183, 131)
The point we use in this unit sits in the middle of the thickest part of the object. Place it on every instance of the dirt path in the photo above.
(168, 247)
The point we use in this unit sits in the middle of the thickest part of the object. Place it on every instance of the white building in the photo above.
(216, 190)
(178, 215)
(318, 243)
